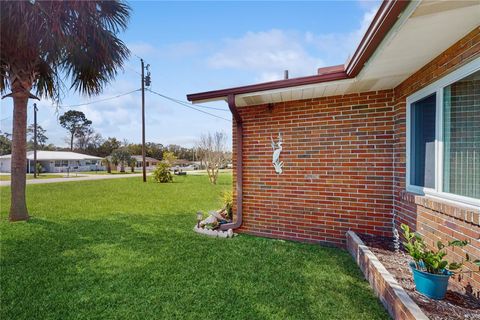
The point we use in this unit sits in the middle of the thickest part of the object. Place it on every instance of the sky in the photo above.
(201, 46)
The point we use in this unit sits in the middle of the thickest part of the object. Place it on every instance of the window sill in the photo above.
(456, 210)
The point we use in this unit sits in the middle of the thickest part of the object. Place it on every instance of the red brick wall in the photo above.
(345, 168)
(434, 219)
(338, 168)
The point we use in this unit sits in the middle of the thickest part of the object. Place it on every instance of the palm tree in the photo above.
(107, 164)
(132, 163)
(122, 157)
(44, 42)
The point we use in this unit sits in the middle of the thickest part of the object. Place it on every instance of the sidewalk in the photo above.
(83, 177)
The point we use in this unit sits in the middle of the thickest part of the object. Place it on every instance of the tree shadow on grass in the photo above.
(134, 266)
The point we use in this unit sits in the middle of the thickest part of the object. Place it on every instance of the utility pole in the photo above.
(143, 124)
(35, 109)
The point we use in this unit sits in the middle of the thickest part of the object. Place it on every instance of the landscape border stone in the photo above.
(395, 299)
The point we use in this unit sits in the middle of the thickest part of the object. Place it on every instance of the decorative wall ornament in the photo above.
(277, 149)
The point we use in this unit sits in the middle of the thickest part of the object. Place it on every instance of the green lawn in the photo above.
(122, 249)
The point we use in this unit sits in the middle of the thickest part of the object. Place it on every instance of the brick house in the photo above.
(393, 135)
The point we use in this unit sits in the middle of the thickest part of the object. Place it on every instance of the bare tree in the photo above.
(88, 139)
(212, 152)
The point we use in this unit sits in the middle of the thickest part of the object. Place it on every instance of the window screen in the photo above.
(461, 103)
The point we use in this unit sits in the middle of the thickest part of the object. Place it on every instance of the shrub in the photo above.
(431, 261)
(162, 173)
(169, 157)
(228, 203)
(39, 168)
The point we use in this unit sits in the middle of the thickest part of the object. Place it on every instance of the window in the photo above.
(443, 137)
(461, 136)
(61, 163)
(422, 171)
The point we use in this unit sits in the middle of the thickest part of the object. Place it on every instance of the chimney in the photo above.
(285, 74)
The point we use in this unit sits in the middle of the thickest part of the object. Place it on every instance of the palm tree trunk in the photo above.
(18, 208)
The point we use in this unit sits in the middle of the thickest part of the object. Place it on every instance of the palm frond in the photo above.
(57, 40)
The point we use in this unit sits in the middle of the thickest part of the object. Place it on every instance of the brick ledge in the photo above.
(456, 211)
(395, 299)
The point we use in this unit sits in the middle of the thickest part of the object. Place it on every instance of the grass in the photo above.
(123, 249)
(5, 177)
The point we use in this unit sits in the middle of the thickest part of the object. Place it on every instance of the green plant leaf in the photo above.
(440, 245)
(454, 266)
(458, 243)
(443, 265)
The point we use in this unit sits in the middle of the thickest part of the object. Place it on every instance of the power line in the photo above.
(170, 98)
(187, 105)
(132, 70)
(201, 106)
(190, 104)
(196, 105)
(184, 103)
(101, 100)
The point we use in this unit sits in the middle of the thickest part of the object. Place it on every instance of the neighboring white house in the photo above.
(56, 161)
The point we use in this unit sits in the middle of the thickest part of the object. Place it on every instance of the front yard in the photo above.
(122, 249)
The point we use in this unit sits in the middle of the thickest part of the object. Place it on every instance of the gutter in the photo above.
(224, 93)
(239, 169)
(385, 18)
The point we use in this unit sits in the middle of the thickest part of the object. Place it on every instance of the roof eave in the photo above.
(224, 93)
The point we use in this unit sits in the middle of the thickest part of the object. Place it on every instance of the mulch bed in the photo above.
(456, 305)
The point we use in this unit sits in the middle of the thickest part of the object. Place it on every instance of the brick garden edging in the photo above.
(395, 299)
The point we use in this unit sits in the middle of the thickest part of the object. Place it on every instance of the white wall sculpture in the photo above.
(277, 149)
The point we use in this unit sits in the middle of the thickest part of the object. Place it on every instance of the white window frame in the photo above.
(62, 163)
(437, 88)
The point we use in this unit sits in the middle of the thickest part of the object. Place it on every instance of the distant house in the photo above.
(150, 162)
(56, 161)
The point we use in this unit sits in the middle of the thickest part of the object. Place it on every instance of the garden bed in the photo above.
(456, 304)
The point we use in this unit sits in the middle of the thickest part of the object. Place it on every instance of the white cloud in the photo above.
(335, 45)
(141, 48)
(369, 4)
(267, 53)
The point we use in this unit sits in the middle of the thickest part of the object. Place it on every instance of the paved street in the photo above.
(82, 177)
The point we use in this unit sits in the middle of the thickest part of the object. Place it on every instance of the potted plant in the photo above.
(431, 271)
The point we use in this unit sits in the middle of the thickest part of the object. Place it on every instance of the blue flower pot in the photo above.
(431, 285)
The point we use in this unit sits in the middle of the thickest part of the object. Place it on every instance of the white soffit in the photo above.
(431, 28)
(310, 91)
